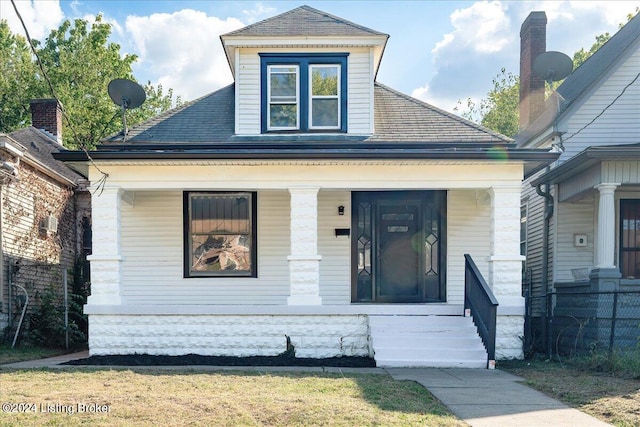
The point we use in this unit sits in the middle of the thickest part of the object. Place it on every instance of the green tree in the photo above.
(79, 62)
(580, 56)
(157, 102)
(499, 111)
(17, 80)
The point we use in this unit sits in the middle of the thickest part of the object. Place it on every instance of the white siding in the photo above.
(359, 80)
(574, 218)
(621, 172)
(468, 232)
(153, 252)
(335, 267)
(248, 94)
(152, 247)
(619, 124)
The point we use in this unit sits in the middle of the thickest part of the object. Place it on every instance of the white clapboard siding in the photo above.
(335, 267)
(619, 124)
(468, 232)
(574, 218)
(152, 247)
(359, 80)
(248, 94)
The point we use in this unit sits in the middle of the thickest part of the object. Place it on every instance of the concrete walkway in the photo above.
(480, 397)
(491, 398)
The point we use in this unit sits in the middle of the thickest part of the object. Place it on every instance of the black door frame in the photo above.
(433, 199)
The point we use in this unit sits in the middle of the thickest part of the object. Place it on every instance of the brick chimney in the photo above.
(533, 42)
(46, 114)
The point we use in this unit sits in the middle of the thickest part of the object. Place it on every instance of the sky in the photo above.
(441, 52)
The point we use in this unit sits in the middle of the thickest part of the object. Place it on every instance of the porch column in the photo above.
(606, 238)
(304, 261)
(106, 268)
(505, 270)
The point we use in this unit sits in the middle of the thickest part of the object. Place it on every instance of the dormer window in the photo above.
(284, 95)
(324, 94)
(304, 92)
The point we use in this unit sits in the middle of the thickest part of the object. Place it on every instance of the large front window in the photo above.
(220, 234)
(304, 92)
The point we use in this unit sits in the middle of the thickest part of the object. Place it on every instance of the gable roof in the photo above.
(41, 148)
(583, 78)
(304, 21)
(303, 27)
(598, 63)
(399, 118)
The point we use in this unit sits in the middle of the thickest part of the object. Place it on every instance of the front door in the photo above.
(398, 246)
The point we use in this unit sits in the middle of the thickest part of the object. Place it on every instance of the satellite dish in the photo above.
(552, 66)
(128, 95)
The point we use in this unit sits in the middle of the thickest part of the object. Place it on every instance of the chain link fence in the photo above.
(582, 322)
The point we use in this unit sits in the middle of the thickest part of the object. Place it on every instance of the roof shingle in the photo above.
(398, 118)
(304, 21)
(41, 148)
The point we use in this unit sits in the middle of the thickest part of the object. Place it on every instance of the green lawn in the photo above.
(22, 353)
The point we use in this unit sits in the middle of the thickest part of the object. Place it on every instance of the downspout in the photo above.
(548, 214)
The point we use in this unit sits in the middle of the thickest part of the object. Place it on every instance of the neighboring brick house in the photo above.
(44, 212)
(307, 201)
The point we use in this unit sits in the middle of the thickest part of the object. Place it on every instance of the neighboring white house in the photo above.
(305, 200)
(590, 238)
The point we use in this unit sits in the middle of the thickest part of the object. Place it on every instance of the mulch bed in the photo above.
(196, 359)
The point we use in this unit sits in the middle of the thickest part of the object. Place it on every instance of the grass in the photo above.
(612, 395)
(22, 353)
(154, 397)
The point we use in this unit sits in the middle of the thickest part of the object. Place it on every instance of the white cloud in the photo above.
(182, 50)
(447, 103)
(39, 16)
(483, 27)
(258, 13)
(486, 38)
(421, 93)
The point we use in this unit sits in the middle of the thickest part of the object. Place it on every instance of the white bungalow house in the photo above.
(581, 214)
(306, 200)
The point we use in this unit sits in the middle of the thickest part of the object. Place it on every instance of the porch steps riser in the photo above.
(444, 363)
(454, 331)
(426, 341)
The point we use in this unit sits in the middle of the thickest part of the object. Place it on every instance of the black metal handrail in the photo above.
(479, 299)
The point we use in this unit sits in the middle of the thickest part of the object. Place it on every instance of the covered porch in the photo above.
(307, 247)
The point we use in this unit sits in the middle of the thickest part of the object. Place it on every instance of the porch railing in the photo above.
(483, 305)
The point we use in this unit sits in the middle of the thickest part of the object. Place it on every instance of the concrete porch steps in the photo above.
(426, 341)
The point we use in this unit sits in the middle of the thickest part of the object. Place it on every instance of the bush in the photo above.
(46, 325)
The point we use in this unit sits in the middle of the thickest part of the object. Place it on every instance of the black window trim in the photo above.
(303, 60)
(187, 274)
